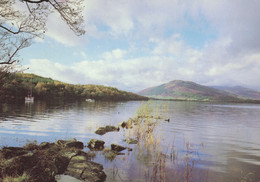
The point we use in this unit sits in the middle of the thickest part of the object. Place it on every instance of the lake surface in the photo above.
(215, 142)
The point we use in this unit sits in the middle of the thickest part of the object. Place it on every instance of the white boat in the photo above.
(29, 99)
(90, 100)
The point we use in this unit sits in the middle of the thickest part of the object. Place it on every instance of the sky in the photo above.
(135, 44)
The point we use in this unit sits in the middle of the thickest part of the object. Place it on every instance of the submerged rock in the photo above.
(111, 155)
(131, 141)
(94, 144)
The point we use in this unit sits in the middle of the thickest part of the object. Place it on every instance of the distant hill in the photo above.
(17, 86)
(186, 90)
(241, 91)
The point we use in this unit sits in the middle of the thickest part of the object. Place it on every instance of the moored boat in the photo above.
(90, 100)
(29, 99)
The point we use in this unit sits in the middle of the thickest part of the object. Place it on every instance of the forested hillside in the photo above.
(17, 86)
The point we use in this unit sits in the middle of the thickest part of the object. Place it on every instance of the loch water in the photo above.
(214, 141)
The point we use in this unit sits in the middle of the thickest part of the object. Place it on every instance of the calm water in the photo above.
(222, 141)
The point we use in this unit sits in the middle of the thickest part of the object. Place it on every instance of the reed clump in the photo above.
(146, 132)
(165, 164)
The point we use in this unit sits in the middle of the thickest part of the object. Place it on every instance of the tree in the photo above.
(23, 20)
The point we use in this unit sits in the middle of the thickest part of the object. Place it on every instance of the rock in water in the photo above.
(104, 130)
(131, 141)
(117, 148)
(94, 144)
(85, 170)
(110, 128)
(73, 143)
(100, 131)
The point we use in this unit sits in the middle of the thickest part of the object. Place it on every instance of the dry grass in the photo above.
(165, 165)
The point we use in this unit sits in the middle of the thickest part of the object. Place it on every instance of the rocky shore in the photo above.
(43, 162)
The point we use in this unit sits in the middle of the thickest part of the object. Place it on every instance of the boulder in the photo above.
(46, 145)
(100, 131)
(94, 144)
(61, 163)
(80, 168)
(42, 162)
(117, 148)
(19, 164)
(110, 128)
(73, 143)
(104, 130)
(44, 171)
(68, 154)
(122, 124)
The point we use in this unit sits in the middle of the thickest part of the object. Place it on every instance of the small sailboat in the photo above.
(90, 100)
(29, 98)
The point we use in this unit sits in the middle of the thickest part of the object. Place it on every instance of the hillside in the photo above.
(186, 90)
(241, 91)
(17, 86)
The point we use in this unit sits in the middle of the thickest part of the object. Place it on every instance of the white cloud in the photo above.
(114, 54)
(57, 71)
(59, 31)
(113, 14)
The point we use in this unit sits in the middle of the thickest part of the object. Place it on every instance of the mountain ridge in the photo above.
(187, 90)
(240, 91)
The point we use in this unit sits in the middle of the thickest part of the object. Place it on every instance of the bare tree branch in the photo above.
(18, 28)
(9, 30)
(39, 1)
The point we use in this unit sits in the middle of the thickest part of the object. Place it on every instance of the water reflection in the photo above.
(226, 135)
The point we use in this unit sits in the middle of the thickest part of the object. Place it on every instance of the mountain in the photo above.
(241, 91)
(186, 90)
